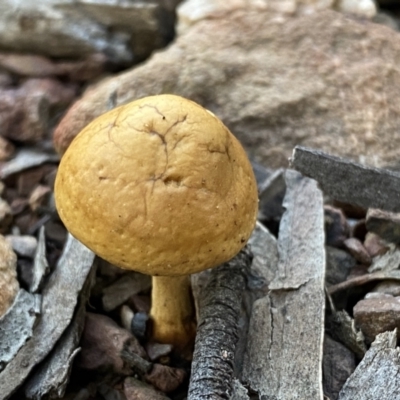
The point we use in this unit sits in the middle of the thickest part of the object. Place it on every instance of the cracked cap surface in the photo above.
(159, 186)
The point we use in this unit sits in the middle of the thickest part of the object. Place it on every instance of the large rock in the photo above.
(322, 80)
(123, 30)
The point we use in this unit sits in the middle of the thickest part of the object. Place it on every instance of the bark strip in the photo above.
(348, 181)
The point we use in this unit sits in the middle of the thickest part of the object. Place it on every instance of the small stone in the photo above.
(158, 350)
(25, 221)
(27, 111)
(32, 65)
(6, 149)
(165, 378)
(339, 263)
(102, 343)
(390, 287)
(376, 314)
(28, 180)
(140, 303)
(359, 230)
(385, 224)
(56, 232)
(126, 315)
(336, 227)
(139, 325)
(350, 210)
(23, 245)
(39, 196)
(338, 364)
(357, 250)
(361, 8)
(375, 245)
(138, 390)
(5, 216)
(120, 291)
(8, 275)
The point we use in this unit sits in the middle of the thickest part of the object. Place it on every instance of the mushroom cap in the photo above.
(159, 186)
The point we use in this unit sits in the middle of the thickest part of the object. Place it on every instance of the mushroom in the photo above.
(159, 186)
(9, 285)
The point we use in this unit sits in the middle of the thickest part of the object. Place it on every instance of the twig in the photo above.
(220, 303)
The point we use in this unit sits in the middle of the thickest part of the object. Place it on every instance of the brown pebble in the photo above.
(357, 250)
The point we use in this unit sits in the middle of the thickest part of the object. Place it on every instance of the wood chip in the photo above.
(284, 355)
(16, 326)
(120, 291)
(25, 159)
(52, 376)
(60, 297)
(348, 181)
(376, 377)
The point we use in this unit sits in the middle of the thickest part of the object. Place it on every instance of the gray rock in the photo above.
(120, 29)
(385, 224)
(338, 265)
(338, 364)
(377, 314)
(24, 245)
(357, 250)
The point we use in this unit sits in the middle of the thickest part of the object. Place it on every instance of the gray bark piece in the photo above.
(16, 325)
(26, 158)
(284, 355)
(60, 297)
(272, 191)
(51, 377)
(348, 181)
(264, 247)
(40, 264)
(389, 261)
(343, 328)
(128, 285)
(376, 377)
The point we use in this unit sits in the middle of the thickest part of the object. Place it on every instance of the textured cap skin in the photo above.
(159, 186)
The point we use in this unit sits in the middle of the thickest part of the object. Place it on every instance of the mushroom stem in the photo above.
(172, 310)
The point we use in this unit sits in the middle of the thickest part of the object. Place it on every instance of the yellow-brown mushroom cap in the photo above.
(159, 186)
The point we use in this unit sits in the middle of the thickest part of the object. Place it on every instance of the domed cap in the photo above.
(159, 186)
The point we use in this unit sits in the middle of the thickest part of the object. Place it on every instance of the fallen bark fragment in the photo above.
(40, 264)
(51, 377)
(16, 325)
(58, 305)
(27, 158)
(219, 310)
(338, 364)
(376, 377)
(239, 392)
(364, 279)
(120, 291)
(264, 247)
(284, 354)
(348, 181)
(343, 328)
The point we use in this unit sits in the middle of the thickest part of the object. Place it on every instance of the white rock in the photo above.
(24, 245)
(361, 8)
